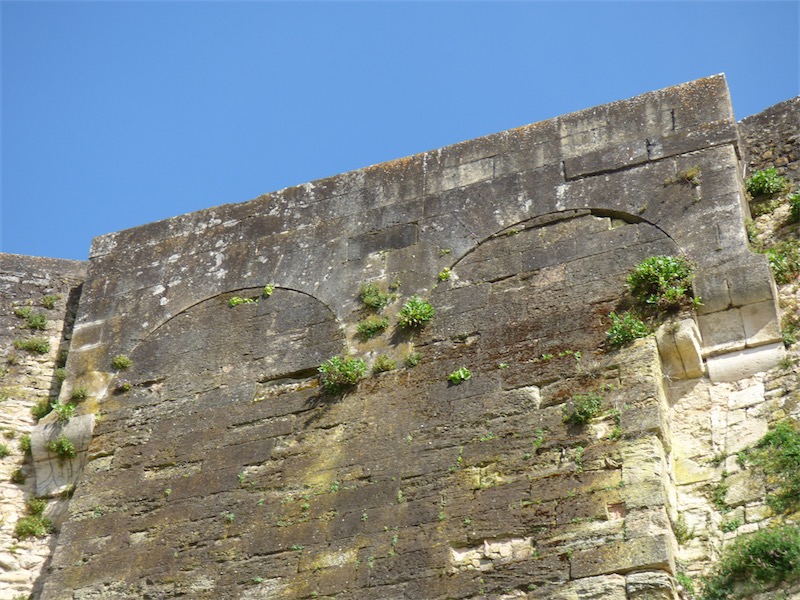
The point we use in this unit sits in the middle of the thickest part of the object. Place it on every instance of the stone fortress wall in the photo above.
(215, 466)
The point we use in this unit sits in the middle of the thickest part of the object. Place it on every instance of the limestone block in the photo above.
(744, 487)
(757, 512)
(641, 553)
(761, 323)
(679, 347)
(650, 585)
(53, 474)
(749, 396)
(722, 331)
(744, 434)
(607, 587)
(744, 363)
(689, 471)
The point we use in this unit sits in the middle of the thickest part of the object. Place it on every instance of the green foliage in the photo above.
(685, 581)
(34, 345)
(415, 313)
(79, 394)
(18, 476)
(768, 556)
(625, 328)
(413, 358)
(718, 494)
(235, 301)
(730, 525)
(23, 312)
(662, 281)
(41, 409)
(459, 375)
(765, 182)
(682, 532)
(64, 412)
(268, 290)
(32, 526)
(339, 373)
(4, 450)
(444, 274)
(784, 259)
(383, 363)
(582, 408)
(49, 301)
(778, 456)
(371, 326)
(61, 447)
(25, 443)
(37, 322)
(61, 374)
(794, 203)
(372, 297)
(121, 362)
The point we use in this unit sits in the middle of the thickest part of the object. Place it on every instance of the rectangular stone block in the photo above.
(761, 323)
(744, 363)
(606, 159)
(694, 138)
(399, 236)
(622, 557)
(722, 331)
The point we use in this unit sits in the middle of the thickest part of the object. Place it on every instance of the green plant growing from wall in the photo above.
(18, 476)
(582, 408)
(444, 274)
(383, 363)
(767, 556)
(413, 358)
(765, 182)
(268, 290)
(64, 412)
(34, 345)
(625, 328)
(121, 362)
(340, 373)
(794, 208)
(25, 443)
(61, 447)
(777, 454)
(372, 297)
(4, 450)
(49, 301)
(34, 523)
(415, 313)
(37, 322)
(23, 312)
(664, 282)
(41, 409)
(235, 301)
(79, 394)
(784, 260)
(459, 375)
(372, 325)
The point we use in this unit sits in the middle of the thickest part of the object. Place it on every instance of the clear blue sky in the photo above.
(116, 114)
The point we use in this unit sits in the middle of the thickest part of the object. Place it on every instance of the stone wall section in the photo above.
(47, 287)
(399, 488)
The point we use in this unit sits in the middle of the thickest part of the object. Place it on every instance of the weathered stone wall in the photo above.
(224, 471)
(216, 467)
(770, 139)
(47, 288)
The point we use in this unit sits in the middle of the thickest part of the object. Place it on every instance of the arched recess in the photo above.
(213, 394)
(545, 286)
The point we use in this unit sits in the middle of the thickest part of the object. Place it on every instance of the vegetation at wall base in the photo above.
(340, 373)
(767, 556)
(777, 454)
(34, 345)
